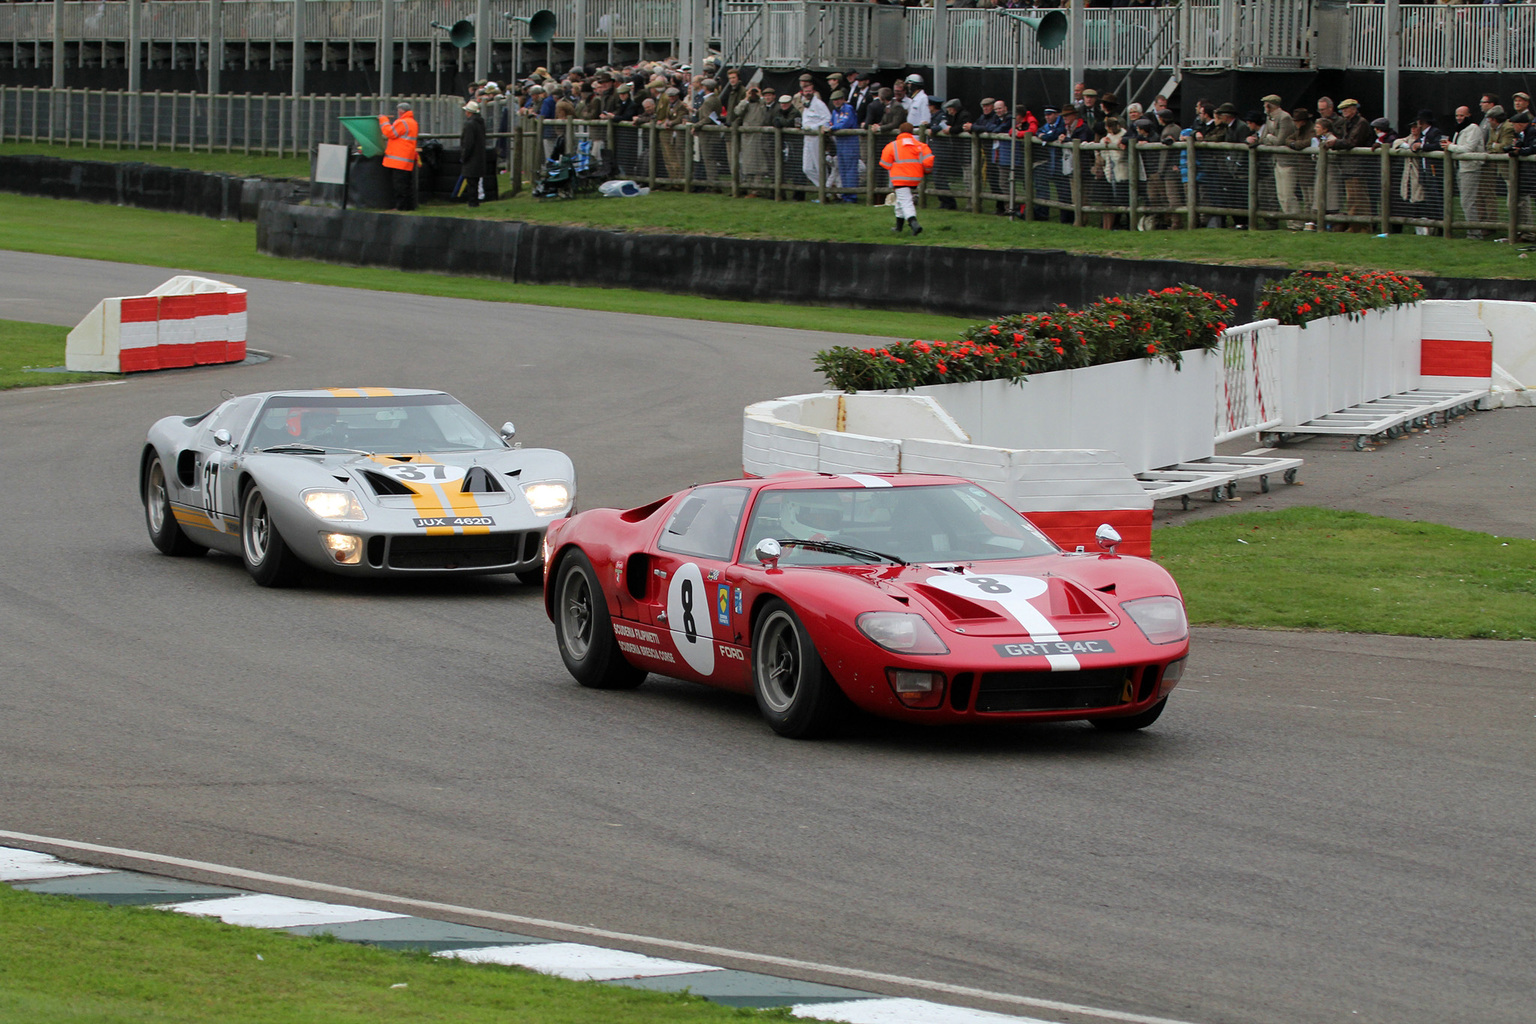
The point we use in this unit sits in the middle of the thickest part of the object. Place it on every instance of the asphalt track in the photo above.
(1321, 828)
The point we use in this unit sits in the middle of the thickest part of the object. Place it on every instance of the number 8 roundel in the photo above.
(690, 616)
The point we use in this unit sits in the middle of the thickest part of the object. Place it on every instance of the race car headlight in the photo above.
(1160, 618)
(901, 632)
(548, 498)
(334, 505)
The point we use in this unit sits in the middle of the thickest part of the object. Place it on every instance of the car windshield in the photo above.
(390, 423)
(867, 525)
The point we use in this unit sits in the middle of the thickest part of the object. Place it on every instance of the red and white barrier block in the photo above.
(187, 321)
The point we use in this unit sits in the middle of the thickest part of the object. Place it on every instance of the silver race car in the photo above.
(360, 481)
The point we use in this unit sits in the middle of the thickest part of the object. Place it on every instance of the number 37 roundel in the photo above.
(690, 616)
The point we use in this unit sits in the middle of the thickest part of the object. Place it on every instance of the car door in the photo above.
(693, 599)
(207, 467)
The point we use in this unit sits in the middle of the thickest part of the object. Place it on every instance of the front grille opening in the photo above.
(1149, 677)
(473, 551)
(531, 541)
(960, 691)
(376, 552)
(1085, 690)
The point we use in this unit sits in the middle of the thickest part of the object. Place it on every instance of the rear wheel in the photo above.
(164, 530)
(1132, 722)
(267, 558)
(794, 691)
(584, 629)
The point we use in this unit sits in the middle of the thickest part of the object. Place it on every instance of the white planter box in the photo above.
(1147, 412)
(1336, 362)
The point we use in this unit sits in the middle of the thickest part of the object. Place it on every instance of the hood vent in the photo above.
(479, 480)
(954, 606)
(383, 484)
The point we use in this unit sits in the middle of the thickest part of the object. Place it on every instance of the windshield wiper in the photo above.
(300, 448)
(836, 548)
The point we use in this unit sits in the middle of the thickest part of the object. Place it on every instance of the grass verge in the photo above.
(711, 214)
(1313, 568)
(242, 164)
(120, 234)
(24, 345)
(708, 214)
(67, 959)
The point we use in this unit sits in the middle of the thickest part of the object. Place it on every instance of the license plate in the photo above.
(1041, 649)
(456, 521)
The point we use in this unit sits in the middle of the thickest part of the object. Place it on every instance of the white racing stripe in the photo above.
(1013, 593)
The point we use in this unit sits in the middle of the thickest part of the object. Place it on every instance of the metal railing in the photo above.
(1448, 38)
(258, 124)
(1146, 186)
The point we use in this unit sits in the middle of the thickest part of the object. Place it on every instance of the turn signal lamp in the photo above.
(344, 547)
(917, 689)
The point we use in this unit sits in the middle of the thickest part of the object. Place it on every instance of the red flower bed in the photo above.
(1303, 296)
(1157, 325)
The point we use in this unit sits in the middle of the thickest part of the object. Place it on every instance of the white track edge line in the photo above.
(601, 933)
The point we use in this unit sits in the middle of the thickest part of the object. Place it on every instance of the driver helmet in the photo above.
(812, 515)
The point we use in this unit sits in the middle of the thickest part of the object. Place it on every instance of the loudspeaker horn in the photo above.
(1050, 31)
(541, 27)
(460, 34)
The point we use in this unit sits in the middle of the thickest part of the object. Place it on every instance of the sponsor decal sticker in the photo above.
(738, 601)
(731, 653)
(714, 574)
(1047, 648)
(723, 605)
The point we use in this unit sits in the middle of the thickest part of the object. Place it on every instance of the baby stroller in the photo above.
(566, 177)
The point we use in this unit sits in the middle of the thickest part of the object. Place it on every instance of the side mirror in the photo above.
(1108, 537)
(222, 439)
(508, 431)
(768, 551)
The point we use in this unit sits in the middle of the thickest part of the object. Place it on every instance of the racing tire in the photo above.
(267, 556)
(795, 693)
(584, 629)
(164, 531)
(1131, 723)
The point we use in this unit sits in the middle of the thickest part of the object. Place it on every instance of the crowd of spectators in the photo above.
(675, 96)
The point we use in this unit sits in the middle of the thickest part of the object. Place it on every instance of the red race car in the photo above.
(923, 598)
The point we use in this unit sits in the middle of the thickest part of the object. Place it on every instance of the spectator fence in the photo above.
(1144, 186)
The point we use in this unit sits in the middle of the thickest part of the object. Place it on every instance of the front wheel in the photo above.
(267, 557)
(584, 630)
(794, 691)
(1132, 722)
(164, 531)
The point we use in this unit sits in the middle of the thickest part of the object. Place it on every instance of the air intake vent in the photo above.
(383, 484)
(480, 481)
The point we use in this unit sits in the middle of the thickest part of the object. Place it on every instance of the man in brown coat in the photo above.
(1353, 132)
(1279, 130)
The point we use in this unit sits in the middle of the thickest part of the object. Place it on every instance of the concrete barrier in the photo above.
(147, 186)
(187, 321)
(979, 283)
